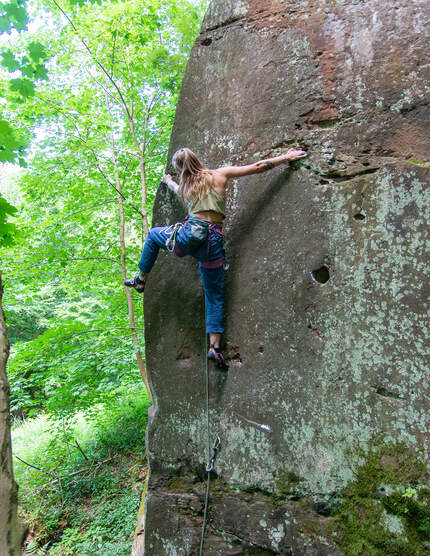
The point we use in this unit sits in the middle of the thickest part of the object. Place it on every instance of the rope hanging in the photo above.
(211, 460)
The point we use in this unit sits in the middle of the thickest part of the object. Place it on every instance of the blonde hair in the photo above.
(194, 177)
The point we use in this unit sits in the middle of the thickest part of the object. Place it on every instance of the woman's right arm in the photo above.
(261, 165)
(172, 185)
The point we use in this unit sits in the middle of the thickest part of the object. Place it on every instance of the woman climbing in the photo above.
(200, 235)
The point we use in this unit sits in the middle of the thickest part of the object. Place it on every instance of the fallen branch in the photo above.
(80, 449)
(35, 467)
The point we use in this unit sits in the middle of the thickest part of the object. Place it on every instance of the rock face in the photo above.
(326, 291)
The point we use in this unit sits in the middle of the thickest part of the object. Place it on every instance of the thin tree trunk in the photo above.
(127, 292)
(144, 192)
(142, 168)
(11, 532)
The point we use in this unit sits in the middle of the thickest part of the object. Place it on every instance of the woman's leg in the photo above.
(155, 240)
(215, 340)
(213, 285)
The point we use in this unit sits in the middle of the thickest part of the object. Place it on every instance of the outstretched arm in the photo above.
(172, 185)
(261, 165)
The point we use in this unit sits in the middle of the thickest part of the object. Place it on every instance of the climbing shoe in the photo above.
(137, 283)
(215, 355)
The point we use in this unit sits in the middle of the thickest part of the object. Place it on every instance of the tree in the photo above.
(10, 529)
(104, 121)
(13, 15)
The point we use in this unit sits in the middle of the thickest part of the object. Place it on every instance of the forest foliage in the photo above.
(87, 100)
(96, 122)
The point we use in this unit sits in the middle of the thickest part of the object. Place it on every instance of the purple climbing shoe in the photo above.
(137, 283)
(215, 355)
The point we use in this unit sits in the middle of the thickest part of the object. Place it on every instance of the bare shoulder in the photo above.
(219, 181)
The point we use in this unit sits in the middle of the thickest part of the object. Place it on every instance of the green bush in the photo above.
(84, 497)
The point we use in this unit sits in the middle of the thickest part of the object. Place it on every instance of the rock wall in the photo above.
(326, 293)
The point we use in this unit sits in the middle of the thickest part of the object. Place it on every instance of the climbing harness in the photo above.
(215, 448)
(198, 231)
(217, 262)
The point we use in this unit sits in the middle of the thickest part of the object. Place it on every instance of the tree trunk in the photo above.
(140, 148)
(11, 533)
(139, 357)
(127, 292)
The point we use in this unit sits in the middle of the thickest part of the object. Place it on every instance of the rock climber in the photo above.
(204, 192)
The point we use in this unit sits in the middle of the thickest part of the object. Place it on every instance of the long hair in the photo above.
(194, 177)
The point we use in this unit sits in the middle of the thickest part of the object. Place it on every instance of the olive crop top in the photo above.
(213, 201)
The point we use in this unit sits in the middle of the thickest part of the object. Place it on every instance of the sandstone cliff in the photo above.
(327, 399)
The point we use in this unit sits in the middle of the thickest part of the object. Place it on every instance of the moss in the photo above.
(141, 512)
(378, 496)
(287, 484)
(415, 511)
(420, 163)
(219, 488)
(178, 484)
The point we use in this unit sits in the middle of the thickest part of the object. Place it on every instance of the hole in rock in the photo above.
(236, 358)
(184, 353)
(206, 42)
(261, 349)
(359, 216)
(321, 274)
(387, 394)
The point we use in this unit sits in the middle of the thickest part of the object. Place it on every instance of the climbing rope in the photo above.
(209, 468)
(215, 448)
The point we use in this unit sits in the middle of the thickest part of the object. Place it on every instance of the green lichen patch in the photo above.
(386, 508)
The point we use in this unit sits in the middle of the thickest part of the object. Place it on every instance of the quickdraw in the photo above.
(217, 444)
(171, 240)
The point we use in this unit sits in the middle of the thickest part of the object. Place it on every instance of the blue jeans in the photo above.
(212, 278)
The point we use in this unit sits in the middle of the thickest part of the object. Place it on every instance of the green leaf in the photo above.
(7, 230)
(4, 23)
(17, 14)
(23, 86)
(28, 71)
(5, 128)
(37, 51)
(6, 208)
(40, 72)
(9, 142)
(9, 61)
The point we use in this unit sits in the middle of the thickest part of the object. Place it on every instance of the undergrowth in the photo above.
(84, 496)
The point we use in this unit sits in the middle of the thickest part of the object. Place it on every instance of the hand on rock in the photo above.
(295, 154)
(166, 178)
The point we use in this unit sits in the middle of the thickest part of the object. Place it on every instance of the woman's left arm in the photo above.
(260, 166)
